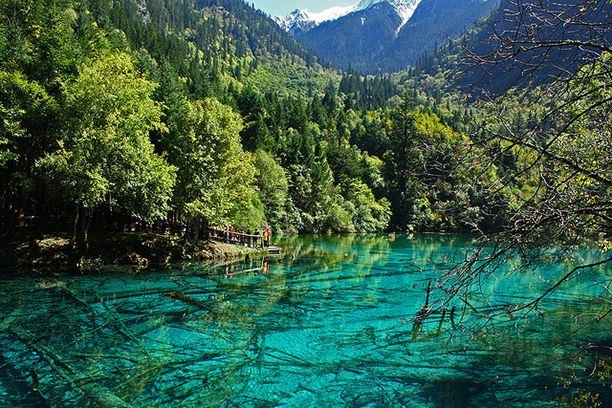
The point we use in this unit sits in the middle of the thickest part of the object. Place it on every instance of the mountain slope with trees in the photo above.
(103, 126)
(131, 112)
(559, 39)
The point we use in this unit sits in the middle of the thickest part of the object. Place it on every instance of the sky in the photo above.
(282, 7)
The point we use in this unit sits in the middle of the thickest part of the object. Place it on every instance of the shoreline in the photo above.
(51, 254)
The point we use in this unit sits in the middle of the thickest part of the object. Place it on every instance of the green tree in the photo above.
(368, 215)
(400, 160)
(216, 178)
(27, 120)
(273, 188)
(105, 155)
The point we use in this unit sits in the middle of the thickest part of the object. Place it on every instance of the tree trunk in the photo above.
(81, 228)
(206, 229)
(75, 227)
(42, 210)
(11, 225)
(196, 235)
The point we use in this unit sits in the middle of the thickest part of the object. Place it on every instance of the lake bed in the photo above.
(331, 323)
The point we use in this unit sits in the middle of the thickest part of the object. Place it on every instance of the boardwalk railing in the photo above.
(237, 238)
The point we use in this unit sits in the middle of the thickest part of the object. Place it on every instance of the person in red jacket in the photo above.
(267, 236)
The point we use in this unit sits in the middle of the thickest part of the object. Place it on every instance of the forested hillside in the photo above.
(121, 109)
(557, 40)
(209, 115)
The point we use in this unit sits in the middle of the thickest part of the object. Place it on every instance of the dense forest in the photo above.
(209, 115)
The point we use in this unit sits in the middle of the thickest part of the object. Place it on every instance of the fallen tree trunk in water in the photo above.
(97, 395)
(190, 301)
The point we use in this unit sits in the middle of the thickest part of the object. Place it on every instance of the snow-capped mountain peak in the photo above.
(305, 19)
(405, 8)
(328, 14)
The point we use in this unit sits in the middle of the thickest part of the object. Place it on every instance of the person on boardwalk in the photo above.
(267, 236)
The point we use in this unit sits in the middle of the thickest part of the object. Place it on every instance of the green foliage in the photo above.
(216, 178)
(437, 179)
(106, 155)
(367, 93)
(28, 120)
(368, 215)
(25, 107)
(213, 116)
(273, 188)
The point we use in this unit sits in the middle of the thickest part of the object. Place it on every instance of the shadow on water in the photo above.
(329, 323)
(457, 393)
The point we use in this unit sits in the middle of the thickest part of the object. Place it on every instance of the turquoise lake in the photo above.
(331, 323)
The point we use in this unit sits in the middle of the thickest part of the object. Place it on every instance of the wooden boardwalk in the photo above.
(248, 240)
(274, 250)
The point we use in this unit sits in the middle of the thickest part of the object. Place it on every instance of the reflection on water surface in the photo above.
(330, 324)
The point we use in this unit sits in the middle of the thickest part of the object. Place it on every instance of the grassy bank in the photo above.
(53, 253)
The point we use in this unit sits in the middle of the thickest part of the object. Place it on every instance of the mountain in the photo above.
(433, 23)
(376, 36)
(404, 8)
(534, 57)
(302, 20)
(355, 38)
